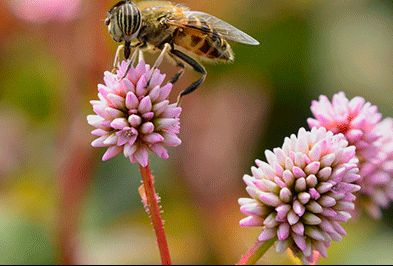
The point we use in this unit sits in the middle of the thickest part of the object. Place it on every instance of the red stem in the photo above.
(155, 216)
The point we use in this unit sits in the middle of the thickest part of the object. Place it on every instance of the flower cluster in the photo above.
(303, 192)
(360, 122)
(377, 173)
(134, 115)
(356, 119)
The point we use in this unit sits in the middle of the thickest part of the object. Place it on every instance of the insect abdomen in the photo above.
(208, 46)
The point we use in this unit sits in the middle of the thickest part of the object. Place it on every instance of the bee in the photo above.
(188, 37)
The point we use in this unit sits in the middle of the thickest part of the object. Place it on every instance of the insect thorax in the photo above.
(155, 33)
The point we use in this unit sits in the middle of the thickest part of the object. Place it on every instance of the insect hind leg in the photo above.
(196, 66)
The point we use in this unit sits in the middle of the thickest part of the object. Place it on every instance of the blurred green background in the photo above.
(57, 199)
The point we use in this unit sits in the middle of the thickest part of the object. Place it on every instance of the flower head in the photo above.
(355, 118)
(360, 122)
(303, 192)
(134, 116)
(377, 173)
(46, 10)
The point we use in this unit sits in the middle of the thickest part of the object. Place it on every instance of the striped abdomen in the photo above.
(205, 43)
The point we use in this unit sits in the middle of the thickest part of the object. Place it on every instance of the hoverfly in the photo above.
(184, 35)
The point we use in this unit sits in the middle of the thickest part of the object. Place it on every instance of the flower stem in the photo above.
(155, 216)
(256, 252)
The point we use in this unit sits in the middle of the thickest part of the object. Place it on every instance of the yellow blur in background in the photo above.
(58, 200)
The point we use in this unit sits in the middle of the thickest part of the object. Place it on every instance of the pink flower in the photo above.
(46, 10)
(377, 173)
(356, 119)
(360, 122)
(303, 192)
(134, 116)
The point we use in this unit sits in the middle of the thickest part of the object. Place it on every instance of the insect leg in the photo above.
(164, 51)
(116, 62)
(180, 73)
(196, 66)
(132, 62)
(141, 56)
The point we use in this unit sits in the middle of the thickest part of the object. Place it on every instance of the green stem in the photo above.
(256, 252)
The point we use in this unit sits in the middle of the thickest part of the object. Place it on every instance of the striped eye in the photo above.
(129, 20)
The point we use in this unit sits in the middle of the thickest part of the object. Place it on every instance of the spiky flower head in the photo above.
(134, 116)
(355, 118)
(303, 192)
(377, 173)
(360, 122)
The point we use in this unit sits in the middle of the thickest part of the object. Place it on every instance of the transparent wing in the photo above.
(158, 5)
(225, 29)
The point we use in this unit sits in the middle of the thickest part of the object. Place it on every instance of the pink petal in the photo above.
(129, 150)
(111, 153)
(153, 138)
(312, 168)
(148, 116)
(160, 107)
(99, 142)
(154, 93)
(156, 79)
(298, 208)
(300, 242)
(298, 228)
(172, 140)
(114, 113)
(145, 105)
(282, 211)
(135, 120)
(142, 156)
(119, 123)
(160, 151)
(165, 91)
(251, 221)
(116, 101)
(283, 231)
(94, 120)
(267, 234)
(132, 101)
(99, 132)
(141, 86)
(147, 128)
(269, 199)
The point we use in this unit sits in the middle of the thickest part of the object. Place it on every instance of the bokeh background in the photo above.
(59, 202)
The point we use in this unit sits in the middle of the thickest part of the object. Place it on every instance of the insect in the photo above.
(187, 37)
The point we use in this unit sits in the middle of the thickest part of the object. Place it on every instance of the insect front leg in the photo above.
(116, 61)
(196, 66)
(141, 56)
(132, 62)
